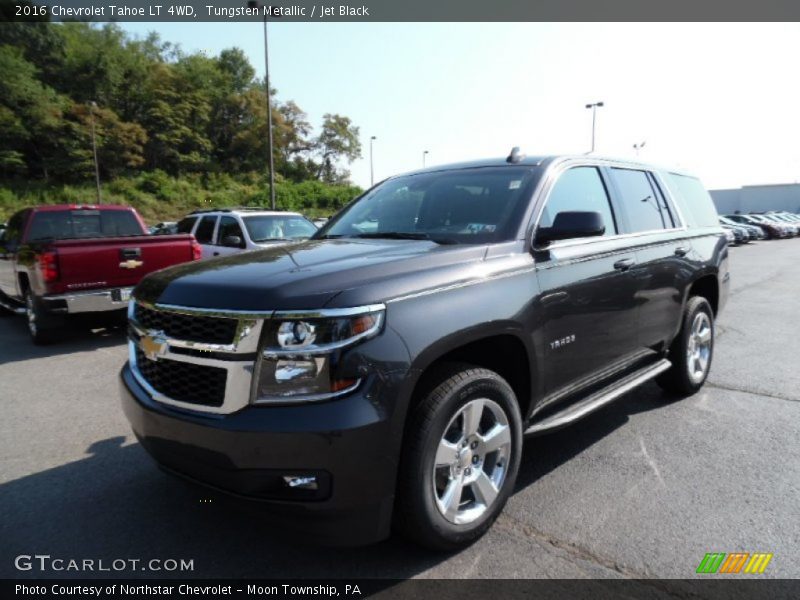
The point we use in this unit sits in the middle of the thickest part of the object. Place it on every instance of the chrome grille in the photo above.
(183, 381)
(190, 328)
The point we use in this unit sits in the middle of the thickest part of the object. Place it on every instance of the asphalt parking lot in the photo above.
(643, 488)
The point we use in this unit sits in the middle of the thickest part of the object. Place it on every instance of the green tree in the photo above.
(337, 141)
(31, 119)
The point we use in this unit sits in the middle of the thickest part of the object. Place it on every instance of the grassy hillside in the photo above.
(160, 197)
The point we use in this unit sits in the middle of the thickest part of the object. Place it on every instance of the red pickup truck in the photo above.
(65, 259)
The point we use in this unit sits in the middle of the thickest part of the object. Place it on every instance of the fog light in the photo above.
(301, 482)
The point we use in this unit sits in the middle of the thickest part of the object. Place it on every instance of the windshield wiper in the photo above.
(404, 235)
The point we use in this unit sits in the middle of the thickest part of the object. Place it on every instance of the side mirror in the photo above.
(571, 224)
(232, 241)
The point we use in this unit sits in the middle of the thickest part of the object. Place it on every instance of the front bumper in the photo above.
(88, 302)
(345, 444)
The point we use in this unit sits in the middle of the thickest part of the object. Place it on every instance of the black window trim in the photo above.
(550, 177)
(604, 181)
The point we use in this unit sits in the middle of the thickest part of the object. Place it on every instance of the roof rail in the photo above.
(231, 209)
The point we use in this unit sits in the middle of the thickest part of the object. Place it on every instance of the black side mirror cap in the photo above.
(571, 224)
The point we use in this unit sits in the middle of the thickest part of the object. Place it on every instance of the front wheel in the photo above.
(460, 458)
(692, 350)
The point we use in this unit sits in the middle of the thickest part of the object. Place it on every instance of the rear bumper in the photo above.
(250, 454)
(88, 302)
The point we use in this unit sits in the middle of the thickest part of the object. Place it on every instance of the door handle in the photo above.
(681, 251)
(624, 264)
(216, 253)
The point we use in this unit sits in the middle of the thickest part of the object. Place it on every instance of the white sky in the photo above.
(720, 100)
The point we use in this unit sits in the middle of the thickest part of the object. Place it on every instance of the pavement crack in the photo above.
(577, 553)
(731, 388)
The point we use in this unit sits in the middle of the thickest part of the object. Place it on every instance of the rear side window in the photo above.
(79, 224)
(579, 189)
(695, 202)
(642, 204)
(205, 231)
(185, 225)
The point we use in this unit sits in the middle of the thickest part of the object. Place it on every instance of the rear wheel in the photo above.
(460, 459)
(692, 350)
(40, 325)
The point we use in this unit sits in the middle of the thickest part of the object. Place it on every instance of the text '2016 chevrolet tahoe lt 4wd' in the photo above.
(385, 372)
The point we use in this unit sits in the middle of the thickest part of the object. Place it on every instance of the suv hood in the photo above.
(313, 274)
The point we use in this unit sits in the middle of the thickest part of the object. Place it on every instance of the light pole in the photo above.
(260, 6)
(92, 106)
(424, 154)
(371, 170)
(594, 106)
(638, 147)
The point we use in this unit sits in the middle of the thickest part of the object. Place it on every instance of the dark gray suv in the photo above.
(384, 373)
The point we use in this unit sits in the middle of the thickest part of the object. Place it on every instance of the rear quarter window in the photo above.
(694, 201)
(83, 224)
(185, 225)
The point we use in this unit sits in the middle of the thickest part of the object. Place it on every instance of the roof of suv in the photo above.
(245, 209)
(537, 161)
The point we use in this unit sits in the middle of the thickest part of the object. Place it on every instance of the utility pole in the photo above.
(371, 170)
(594, 106)
(262, 7)
(424, 154)
(92, 106)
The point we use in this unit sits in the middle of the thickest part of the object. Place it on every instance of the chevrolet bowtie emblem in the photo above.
(153, 344)
(131, 264)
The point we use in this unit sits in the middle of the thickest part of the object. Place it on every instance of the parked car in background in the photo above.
(773, 230)
(783, 218)
(221, 232)
(320, 221)
(791, 229)
(65, 259)
(729, 235)
(795, 218)
(754, 232)
(164, 228)
(740, 235)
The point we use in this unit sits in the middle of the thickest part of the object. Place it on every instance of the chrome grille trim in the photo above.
(237, 388)
(241, 380)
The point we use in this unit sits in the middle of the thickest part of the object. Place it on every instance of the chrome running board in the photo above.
(598, 399)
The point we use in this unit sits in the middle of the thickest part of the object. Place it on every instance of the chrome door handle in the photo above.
(624, 264)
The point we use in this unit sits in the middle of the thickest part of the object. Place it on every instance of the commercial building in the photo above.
(758, 198)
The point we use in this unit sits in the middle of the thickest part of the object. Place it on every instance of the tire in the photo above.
(40, 326)
(690, 355)
(481, 468)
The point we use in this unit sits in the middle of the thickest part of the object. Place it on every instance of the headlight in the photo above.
(297, 362)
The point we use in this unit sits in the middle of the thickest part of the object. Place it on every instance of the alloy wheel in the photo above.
(698, 350)
(471, 461)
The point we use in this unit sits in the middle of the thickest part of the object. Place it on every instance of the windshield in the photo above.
(79, 224)
(470, 206)
(266, 228)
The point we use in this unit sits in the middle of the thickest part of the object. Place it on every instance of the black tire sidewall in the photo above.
(480, 384)
(695, 305)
